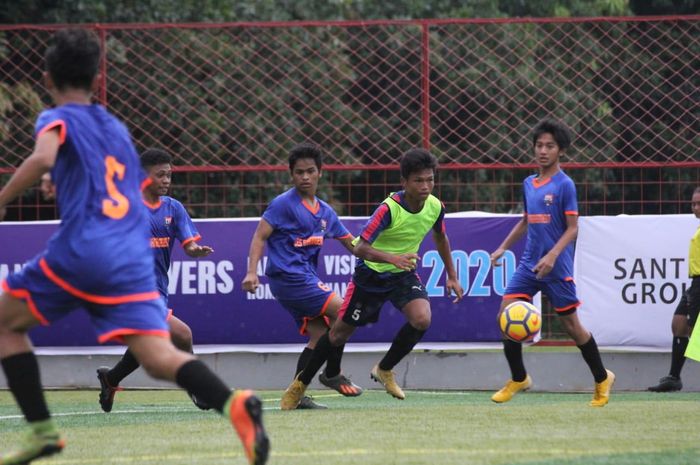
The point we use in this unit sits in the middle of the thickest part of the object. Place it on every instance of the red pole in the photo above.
(425, 71)
(103, 66)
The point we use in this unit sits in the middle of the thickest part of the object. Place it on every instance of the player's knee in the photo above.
(182, 337)
(421, 323)
(420, 320)
(338, 337)
(680, 326)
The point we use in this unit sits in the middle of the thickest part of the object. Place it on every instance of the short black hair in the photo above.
(417, 160)
(560, 133)
(305, 150)
(697, 190)
(73, 58)
(153, 157)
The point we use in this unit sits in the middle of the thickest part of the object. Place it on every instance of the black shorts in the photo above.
(689, 304)
(362, 305)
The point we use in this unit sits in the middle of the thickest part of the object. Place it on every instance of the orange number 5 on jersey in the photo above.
(116, 206)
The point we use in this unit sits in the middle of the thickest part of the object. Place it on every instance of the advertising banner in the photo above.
(630, 272)
(206, 293)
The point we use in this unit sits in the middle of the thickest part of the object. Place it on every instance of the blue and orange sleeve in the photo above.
(337, 229)
(275, 213)
(569, 201)
(185, 229)
(55, 124)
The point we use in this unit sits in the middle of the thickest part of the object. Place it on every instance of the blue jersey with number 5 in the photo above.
(102, 243)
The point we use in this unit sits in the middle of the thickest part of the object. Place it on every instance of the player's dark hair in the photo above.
(560, 133)
(697, 190)
(153, 157)
(305, 150)
(416, 160)
(73, 58)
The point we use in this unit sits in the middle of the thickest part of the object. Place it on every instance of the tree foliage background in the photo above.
(459, 104)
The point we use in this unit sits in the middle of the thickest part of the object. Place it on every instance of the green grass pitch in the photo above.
(443, 427)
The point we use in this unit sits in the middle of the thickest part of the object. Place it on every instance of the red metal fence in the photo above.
(229, 100)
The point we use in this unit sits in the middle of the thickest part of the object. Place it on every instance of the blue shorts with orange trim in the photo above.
(304, 298)
(561, 292)
(112, 317)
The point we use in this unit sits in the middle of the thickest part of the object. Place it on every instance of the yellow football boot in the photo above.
(510, 389)
(293, 395)
(601, 395)
(386, 378)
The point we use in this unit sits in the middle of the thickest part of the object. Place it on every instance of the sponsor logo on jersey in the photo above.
(539, 218)
(160, 242)
(308, 241)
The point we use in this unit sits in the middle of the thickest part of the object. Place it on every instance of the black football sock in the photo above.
(402, 345)
(196, 378)
(24, 380)
(124, 367)
(318, 358)
(304, 358)
(591, 355)
(514, 355)
(333, 363)
(678, 355)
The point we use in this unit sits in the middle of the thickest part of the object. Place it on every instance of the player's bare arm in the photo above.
(405, 261)
(442, 243)
(32, 168)
(257, 246)
(515, 234)
(195, 250)
(546, 263)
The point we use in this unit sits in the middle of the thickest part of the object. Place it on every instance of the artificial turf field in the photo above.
(442, 427)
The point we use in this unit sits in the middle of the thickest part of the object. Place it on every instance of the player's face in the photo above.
(305, 176)
(546, 151)
(419, 185)
(161, 176)
(695, 204)
(47, 188)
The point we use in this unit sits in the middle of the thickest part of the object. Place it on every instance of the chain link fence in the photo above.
(229, 100)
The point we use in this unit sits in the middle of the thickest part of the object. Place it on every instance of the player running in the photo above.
(294, 227)
(388, 247)
(168, 221)
(99, 259)
(550, 221)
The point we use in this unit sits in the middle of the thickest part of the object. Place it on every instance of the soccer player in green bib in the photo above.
(387, 249)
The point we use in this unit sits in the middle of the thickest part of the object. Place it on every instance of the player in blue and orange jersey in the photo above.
(169, 221)
(550, 220)
(387, 247)
(294, 227)
(99, 259)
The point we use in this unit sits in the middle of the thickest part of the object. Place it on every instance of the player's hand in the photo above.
(544, 266)
(251, 282)
(195, 250)
(496, 257)
(406, 261)
(453, 287)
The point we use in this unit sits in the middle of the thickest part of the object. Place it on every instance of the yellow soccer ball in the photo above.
(520, 321)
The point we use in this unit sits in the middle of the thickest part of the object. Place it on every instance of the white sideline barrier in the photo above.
(630, 272)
